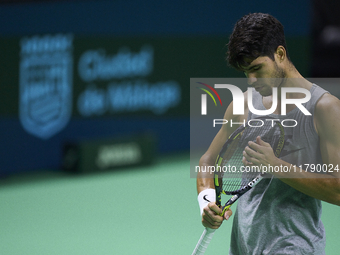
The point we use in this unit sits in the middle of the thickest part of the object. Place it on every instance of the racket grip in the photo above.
(204, 241)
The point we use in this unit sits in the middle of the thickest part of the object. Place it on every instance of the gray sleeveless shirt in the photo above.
(274, 218)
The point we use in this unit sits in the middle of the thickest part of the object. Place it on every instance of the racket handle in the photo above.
(204, 241)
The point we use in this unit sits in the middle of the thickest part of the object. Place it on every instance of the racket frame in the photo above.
(238, 193)
(208, 233)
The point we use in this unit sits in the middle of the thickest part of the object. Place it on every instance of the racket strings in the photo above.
(234, 175)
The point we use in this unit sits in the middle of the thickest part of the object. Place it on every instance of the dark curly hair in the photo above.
(255, 35)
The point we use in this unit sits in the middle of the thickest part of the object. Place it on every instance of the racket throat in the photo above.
(227, 205)
(218, 195)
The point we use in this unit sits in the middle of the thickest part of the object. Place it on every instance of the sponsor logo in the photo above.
(253, 182)
(117, 83)
(45, 99)
(118, 154)
(205, 198)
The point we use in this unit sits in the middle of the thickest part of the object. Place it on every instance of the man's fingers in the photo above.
(211, 217)
(250, 157)
(215, 208)
(211, 221)
(227, 214)
(250, 152)
(261, 142)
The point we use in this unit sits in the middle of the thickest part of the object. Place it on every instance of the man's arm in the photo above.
(325, 187)
(205, 180)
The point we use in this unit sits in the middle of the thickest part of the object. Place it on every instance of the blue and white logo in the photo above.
(45, 103)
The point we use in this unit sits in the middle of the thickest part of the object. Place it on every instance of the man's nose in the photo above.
(251, 79)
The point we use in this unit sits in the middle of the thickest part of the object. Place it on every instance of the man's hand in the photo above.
(259, 154)
(211, 216)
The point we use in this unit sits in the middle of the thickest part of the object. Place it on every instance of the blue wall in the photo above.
(147, 18)
(126, 19)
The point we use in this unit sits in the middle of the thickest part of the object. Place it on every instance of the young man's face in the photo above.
(263, 74)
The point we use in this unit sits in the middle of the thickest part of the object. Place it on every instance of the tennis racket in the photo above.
(231, 176)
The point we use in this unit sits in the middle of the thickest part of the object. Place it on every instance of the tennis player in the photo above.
(282, 214)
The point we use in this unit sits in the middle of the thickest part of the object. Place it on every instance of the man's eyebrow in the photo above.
(251, 67)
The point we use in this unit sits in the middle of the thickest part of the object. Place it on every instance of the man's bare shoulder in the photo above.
(327, 112)
(327, 104)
